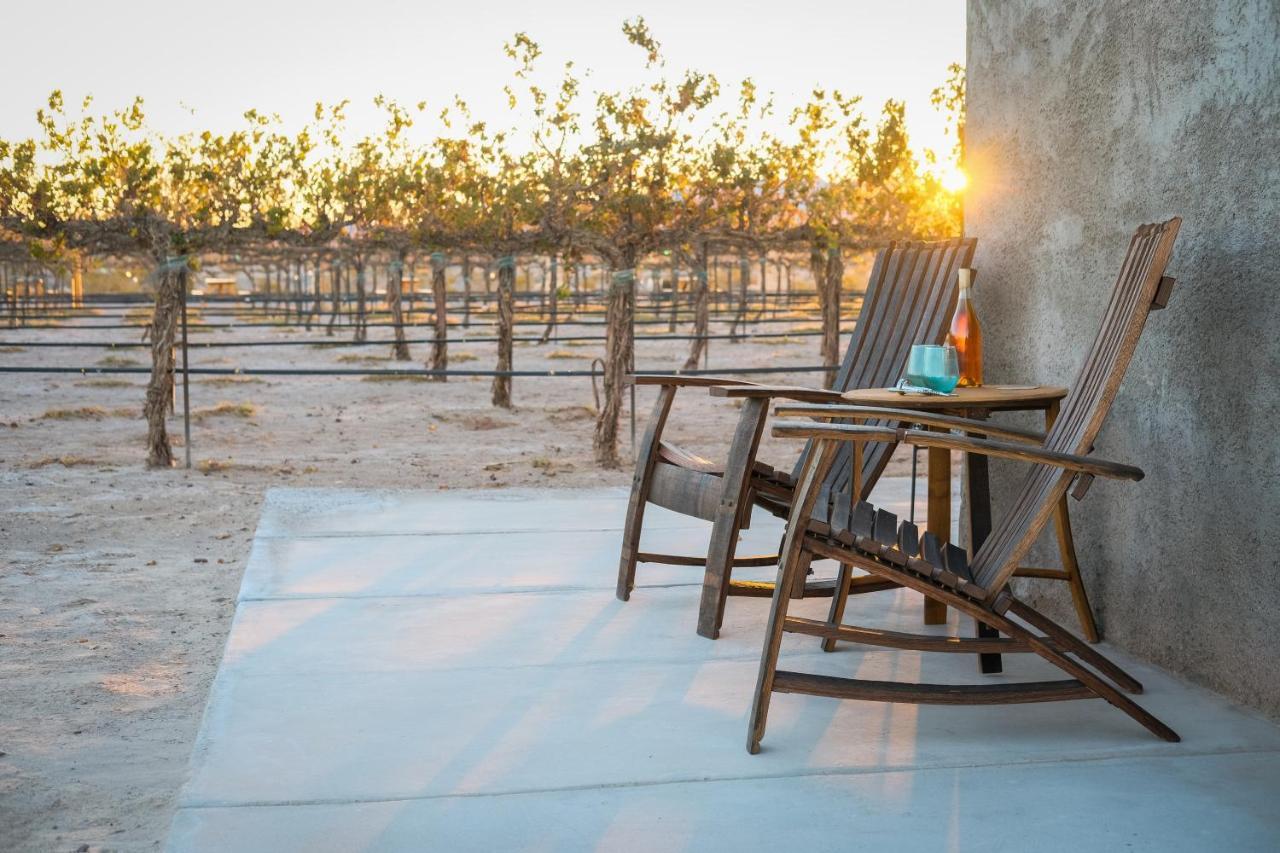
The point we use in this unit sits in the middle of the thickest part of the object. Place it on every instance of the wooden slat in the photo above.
(886, 528)
(1071, 463)
(781, 509)
(957, 561)
(910, 273)
(676, 455)
(898, 640)
(842, 506)
(764, 589)
(909, 539)
(731, 515)
(931, 550)
(871, 583)
(928, 286)
(934, 553)
(687, 492)
(642, 480)
(771, 489)
(864, 516)
(687, 560)
(929, 694)
(1081, 485)
(751, 589)
(888, 415)
(647, 459)
(1041, 573)
(875, 284)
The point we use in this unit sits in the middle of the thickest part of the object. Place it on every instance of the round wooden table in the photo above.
(979, 403)
(983, 399)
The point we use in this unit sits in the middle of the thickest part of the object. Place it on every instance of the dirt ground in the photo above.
(117, 584)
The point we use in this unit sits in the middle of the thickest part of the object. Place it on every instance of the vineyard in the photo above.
(667, 210)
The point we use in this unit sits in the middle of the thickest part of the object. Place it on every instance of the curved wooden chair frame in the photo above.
(899, 555)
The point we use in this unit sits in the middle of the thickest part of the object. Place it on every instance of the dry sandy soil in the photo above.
(117, 584)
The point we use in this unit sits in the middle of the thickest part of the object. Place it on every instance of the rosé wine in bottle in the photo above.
(966, 334)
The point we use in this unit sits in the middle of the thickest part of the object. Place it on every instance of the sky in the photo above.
(202, 64)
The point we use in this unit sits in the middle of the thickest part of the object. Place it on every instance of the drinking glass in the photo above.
(933, 367)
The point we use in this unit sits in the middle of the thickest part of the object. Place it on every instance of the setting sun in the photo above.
(953, 179)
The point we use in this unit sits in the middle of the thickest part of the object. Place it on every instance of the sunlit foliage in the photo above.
(673, 164)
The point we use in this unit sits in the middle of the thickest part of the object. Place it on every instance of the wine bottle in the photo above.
(966, 334)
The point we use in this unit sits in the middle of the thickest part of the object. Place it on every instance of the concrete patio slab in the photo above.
(418, 687)
(1133, 804)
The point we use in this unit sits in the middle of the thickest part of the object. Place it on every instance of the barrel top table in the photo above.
(986, 398)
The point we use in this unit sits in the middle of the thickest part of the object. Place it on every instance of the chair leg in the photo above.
(791, 561)
(839, 599)
(728, 522)
(801, 580)
(646, 458)
(1069, 642)
(1088, 677)
(791, 564)
(1091, 680)
(719, 572)
(1067, 552)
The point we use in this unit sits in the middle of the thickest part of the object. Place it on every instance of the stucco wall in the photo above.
(1084, 120)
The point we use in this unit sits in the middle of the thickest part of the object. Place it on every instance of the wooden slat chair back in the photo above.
(909, 300)
(899, 554)
(1137, 290)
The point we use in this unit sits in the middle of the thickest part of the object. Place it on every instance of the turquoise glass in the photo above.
(933, 367)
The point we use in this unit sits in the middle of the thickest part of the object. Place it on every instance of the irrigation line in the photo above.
(341, 344)
(374, 306)
(263, 302)
(296, 325)
(724, 311)
(299, 371)
(249, 310)
(259, 299)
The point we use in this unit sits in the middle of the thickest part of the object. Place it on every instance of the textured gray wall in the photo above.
(1084, 120)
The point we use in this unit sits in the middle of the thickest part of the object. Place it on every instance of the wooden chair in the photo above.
(910, 295)
(899, 555)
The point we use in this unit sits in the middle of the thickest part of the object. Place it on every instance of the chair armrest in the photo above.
(985, 447)
(786, 392)
(679, 380)
(911, 416)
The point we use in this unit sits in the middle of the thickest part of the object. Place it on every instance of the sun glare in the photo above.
(953, 179)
